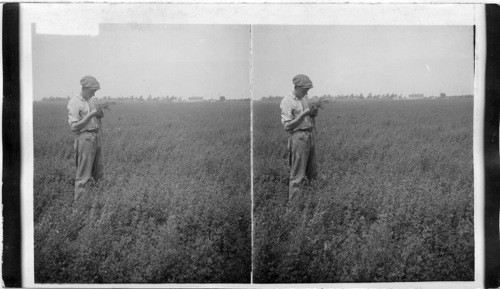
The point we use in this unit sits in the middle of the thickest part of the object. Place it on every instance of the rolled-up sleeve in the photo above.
(286, 112)
(73, 114)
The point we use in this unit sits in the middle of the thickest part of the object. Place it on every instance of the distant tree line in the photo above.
(138, 99)
(272, 98)
(240, 99)
(110, 98)
(327, 97)
(330, 97)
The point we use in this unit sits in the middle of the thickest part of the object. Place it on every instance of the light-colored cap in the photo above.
(90, 82)
(302, 81)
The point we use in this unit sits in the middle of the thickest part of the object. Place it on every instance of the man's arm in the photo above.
(77, 126)
(290, 125)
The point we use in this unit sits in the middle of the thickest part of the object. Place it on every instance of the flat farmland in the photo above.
(393, 202)
(174, 205)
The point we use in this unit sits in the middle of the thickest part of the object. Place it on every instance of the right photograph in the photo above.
(363, 153)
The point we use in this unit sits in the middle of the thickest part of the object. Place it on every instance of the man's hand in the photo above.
(100, 114)
(96, 113)
(314, 112)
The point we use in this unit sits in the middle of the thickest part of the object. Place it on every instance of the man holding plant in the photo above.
(85, 121)
(297, 119)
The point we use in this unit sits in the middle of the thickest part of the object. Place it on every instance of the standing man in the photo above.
(296, 119)
(85, 121)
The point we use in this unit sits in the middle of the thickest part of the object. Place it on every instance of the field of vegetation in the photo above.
(174, 206)
(393, 202)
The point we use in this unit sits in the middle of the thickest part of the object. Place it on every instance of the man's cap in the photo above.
(302, 81)
(90, 82)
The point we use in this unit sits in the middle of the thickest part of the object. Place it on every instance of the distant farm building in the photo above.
(416, 95)
(195, 98)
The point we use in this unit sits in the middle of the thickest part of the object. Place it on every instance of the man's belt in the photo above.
(89, 131)
(303, 130)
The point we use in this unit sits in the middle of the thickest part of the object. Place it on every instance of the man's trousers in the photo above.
(89, 160)
(302, 158)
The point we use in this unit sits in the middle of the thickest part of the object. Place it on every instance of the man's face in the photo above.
(300, 92)
(88, 93)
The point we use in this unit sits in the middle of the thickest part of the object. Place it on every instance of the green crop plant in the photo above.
(393, 201)
(174, 206)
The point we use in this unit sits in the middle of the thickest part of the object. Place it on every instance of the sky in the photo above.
(187, 60)
(146, 59)
(364, 59)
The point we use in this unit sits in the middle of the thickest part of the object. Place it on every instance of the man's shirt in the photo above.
(291, 107)
(78, 108)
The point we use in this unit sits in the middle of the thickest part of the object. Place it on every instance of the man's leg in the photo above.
(300, 149)
(312, 167)
(86, 150)
(98, 166)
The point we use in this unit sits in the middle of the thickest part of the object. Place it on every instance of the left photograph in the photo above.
(141, 140)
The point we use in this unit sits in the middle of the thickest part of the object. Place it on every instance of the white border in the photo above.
(479, 93)
(60, 18)
(53, 18)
